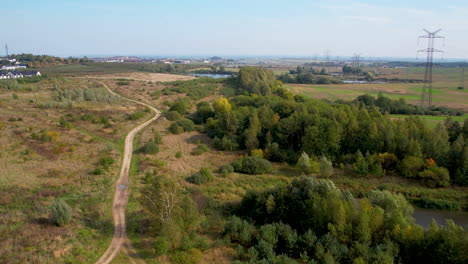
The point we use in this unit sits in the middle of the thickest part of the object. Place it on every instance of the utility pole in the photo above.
(462, 80)
(6, 49)
(426, 94)
(327, 60)
(356, 65)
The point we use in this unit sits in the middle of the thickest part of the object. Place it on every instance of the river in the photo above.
(211, 75)
(424, 217)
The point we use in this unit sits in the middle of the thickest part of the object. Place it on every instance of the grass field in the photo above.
(445, 92)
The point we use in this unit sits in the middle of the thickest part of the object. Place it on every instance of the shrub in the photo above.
(326, 167)
(225, 143)
(161, 245)
(410, 166)
(435, 177)
(239, 230)
(178, 155)
(105, 162)
(303, 164)
(387, 160)
(157, 139)
(149, 148)
(97, 171)
(439, 204)
(201, 177)
(257, 153)
(191, 256)
(136, 115)
(225, 170)
(175, 129)
(201, 148)
(180, 107)
(122, 83)
(173, 116)
(61, 212)
(186, 124)
(253, 165)
(361, 166)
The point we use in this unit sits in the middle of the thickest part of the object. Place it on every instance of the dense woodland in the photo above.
(354, 135)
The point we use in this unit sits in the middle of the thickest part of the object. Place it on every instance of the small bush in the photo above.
(97, 171)
(122, 83)
(136, 115)
(435, 177)
(410, 166)
(61, 212)
(149, 148)
(105, 162)
(186, 124)
(161, 245)
(201, 148)
(178, 155)
(175, 129)
(191, 256)
(303, 164)
(201, 177)
(173, 116)
(257, 153)
(326, 167)
(225, 170)
(225, 143)
(180, 107)
(253, 165)
(157, 139)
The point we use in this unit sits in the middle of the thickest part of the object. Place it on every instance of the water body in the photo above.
(350, 81)
(211, 75)
(424, 217)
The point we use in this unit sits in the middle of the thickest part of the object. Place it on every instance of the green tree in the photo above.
(256, 80)
(61, 212)
(361, 166)
(160, 199)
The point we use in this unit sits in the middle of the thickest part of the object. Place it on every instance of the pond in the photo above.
(211, 75)
(351, 81)
(424, 217)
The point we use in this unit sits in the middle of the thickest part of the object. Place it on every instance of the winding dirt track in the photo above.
(121, 193)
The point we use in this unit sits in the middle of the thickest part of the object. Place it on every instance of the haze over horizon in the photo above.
(381, 28)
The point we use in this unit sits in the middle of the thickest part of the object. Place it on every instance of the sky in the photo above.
(294, 28)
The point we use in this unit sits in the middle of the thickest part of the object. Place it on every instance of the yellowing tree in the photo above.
(222, 106)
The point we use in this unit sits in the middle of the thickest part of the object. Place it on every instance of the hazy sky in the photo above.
(379, 28)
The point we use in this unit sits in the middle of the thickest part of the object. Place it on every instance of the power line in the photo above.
(426, 94)
(356, 65)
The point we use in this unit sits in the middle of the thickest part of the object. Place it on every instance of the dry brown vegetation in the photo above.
(37, 170)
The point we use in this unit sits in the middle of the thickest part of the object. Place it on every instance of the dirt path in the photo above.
(121, 194)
